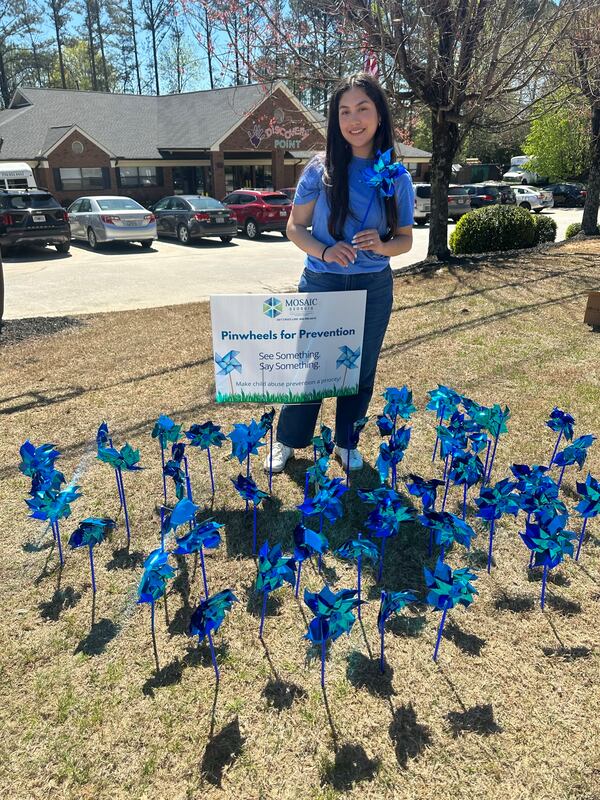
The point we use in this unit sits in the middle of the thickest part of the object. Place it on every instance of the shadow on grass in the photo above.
(568, 608)
(61, 600)
(516, 603)
(122, 558)
(477, 719)
(101, 633)
(281, 694)
(221, 751)
(467, 642)
(169, 675)
(477, 559)
(200, 656)
(255, 602)
(180, 623)
(567, 653)
(350, 766)
(408, 736)
(406, 627)
(364, 673)
(535, 575)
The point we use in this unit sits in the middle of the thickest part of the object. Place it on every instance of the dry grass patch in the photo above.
(510, 711)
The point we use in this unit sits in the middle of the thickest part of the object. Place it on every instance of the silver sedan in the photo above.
(111, 219)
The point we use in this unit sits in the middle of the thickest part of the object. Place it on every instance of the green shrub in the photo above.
(545, 229)
(572, 230)
(493, 228)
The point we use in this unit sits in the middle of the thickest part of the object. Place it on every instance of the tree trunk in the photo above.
(90, 30)
(101, 43)
(4, 87)
(135, 50)
(592, 201)
(208, 47)
(155, 52)
(57, 26)
(446, 141)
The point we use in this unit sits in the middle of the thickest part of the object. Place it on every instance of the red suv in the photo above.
(259, 210)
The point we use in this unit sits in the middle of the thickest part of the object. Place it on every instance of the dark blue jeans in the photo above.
(297, 422)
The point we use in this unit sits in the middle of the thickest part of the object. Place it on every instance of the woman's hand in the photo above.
(368, 240)
(340, 252)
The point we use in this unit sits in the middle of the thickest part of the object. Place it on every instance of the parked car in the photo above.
(193, 216)
(99, 220)
(567, 194)
(290, 192)
(259, 210)
(422, 203)
(459, 202)
(33, 216)
(489, 194)
(522, 171)
(533, 199)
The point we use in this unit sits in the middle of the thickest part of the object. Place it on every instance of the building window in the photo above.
(138, 176)
(77, 147)
(247, 176)
(81, 178)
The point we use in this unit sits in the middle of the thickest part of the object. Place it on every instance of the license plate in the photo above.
(39, 217)
(282, 214)
(219, 219)
(132, 223)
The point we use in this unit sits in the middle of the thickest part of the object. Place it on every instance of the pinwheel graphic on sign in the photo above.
(153, 584)
(184, 512)
(588, 507)
(347, 359)
(444, 401)
(493, 502)
(166, 431)
(323, 444)
(562, 423)
(398, 403)
(207, 618)
(357, 550)
(90, 532)
(273, 570)
(391, 603)
(52, 505)
(307, 542)
(549, 543)
(206, 436)
(249, 491)
(333, 616)
(496, 427)
(446, 529)
(266, 423)
(124, 459)
(392, 453)
(466, 470)
(381, 177)
(448, 588)
(227, 364)
(575, 453)
(206, 534)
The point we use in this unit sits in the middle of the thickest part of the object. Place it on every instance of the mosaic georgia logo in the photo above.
(272, 307)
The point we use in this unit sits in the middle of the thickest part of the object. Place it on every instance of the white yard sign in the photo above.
(288, 348)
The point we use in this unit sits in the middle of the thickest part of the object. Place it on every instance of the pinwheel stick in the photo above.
(210, 470)
(381, 557)
(56, 532)
(271, 460)
(382, 652)
(446, 490)
(430, 547)
(213, 654)
(124, 502)
(465, 489)
(188, 482)
(554, 452)
(544, 579)
(92, 569)
(487, 457)
(153, 630)
(323, 653)
(491, 545)
(437, 436)
(581, 538)
(254, 530)
(562, 472)
(297, 587)
(489, 472)
(203, 567)
(164, 479)
(262, 615)
(359, 570)
(439, 636)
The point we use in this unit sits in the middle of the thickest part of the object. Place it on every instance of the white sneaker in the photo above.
(356, 461)
(281, 454)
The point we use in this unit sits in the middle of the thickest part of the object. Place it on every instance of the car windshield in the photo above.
(32, 201)
(457, 190)
(424, 192)
(276, 199)
(119, 204)
(202, 203)
(488, 190)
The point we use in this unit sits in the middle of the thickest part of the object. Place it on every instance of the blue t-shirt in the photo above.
(311, 187)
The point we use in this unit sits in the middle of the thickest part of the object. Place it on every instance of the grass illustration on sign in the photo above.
(282, 397)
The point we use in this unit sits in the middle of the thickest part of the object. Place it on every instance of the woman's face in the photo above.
(358, 119)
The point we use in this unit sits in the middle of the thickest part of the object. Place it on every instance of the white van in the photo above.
(519, 174)
(16, 175)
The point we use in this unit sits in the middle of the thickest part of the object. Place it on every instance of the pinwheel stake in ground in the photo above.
(356, 550)
(206, 436)
(157, 571)
(266, 423)
(386, 517)
(447, 589)
(166, 431)
(466, 470)
(333, 616)
(90, 532)
(227, 364)
(323, 444)
(588, 507)
(444, 401)
(245, 441)
(326, 503)
(249, 491)
(173, 470)
(273, 570)
(492, 503)
(562, 423)
(204, 535)
(392, 453)
(496, 427)
(391, 603)
(184, 511)
(307, 542)
(549, 543)
(51, 503)
(347, 359)
(124, 459)
(427, 491)
(447, 529)
(207, 619)
(398, 403)
(452, 438)
(381, 177)
(575, 453)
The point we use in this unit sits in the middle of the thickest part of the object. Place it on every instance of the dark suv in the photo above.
(259, 210)
(567, 194)
(489, 194)
(33, 216)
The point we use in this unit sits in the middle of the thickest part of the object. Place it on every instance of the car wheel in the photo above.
(537, 210)
(251, 229)
(146, 243)
(92, 239)
(420, 222)
(63, 247)
(526, 205)
(226, 239)
(524, 182)
(183, 234)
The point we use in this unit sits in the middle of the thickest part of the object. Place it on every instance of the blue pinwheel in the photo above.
(381, 177)
(153, 584)
(392, 453)
(549, 543)
(52, 504)
(426, 490)
(536, 490)
(589, 505)
(124, 459)
(452, 438)
(562, 423)
(183, 512)
(323, 444)
(208, 617)
(398, 403)
(206, 436)
(333, 617)
(274, 569)
(326, 502)
(354, 432)
(447, 528)
(317, 474)
(266, 423)
(249, 491)
(448, 588)
(385, 521)
(37, 460)
(391, 603)
(575, 453)
(227, 364)
(357, 550)
(102, 435)
(347, 359)
(385, 425)
(90, 532)
(306, 543)
(466, 469)
(493, 502)
(206, 534)
(165, 431)
(496, 427)
(173, 469)
(444, 401)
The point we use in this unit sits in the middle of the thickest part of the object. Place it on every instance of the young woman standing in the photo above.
(332, 199)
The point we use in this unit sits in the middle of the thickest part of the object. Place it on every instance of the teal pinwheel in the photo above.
(306, 543)
(208, 617)
(206, 534)
(37, 460)
(102, 435)
(274, 569)
(398, 403)
(466, 470)
(53, 504)
(385, 521)
(385, 425)
(357, 550)
(448, 588)
(575, 453)
(426, 490)
(392, 453)
(249, 491)
(536, 490)
(447, 528)
(323, 444)
(391, 603)
(166, 431)
(588, 506)
(562, 423)
(183, 512)
(549, 542)
(245, 440)
(326, 502)
(381, 177)
(317, 474)
(333, 617)
(90, 532)
(124, 459)
(206, 436)
(444, 401)
(173, 469)
(493, 502)
(153, 584)
(496, 426)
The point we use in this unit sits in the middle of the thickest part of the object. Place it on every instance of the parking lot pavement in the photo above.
(41, 282)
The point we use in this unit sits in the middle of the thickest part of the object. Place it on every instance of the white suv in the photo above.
(422, 203)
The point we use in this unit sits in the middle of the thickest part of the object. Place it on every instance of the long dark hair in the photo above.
(339, 152)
